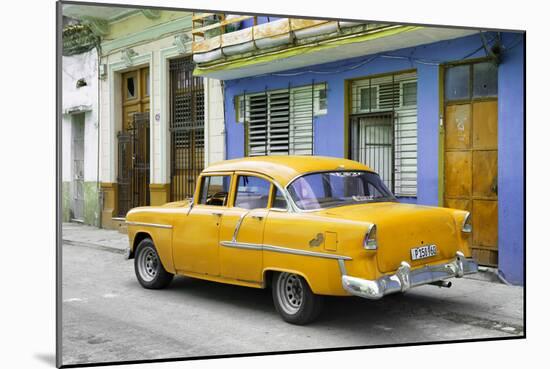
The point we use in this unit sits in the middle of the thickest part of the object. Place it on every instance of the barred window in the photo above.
(383, 129)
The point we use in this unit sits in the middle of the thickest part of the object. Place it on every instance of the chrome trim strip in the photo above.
(405, 278)
(283, 250)
(342, 266)
(238, 225)
(464, 223)
(286, 250)
(167, 226)
(241, 245)
(191, 205)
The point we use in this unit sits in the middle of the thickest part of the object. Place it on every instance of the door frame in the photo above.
(143, 103)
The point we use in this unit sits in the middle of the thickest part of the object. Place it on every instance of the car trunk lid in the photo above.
(402, 227)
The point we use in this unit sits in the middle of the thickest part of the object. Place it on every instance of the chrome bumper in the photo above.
(405, 278)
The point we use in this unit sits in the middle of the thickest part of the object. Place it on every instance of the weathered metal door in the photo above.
(133, 160)
(186, 128)
(78, 167)
(471, 164)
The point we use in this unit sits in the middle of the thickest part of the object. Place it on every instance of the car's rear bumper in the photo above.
(405, 278)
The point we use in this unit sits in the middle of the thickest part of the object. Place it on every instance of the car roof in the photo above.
(285, 168)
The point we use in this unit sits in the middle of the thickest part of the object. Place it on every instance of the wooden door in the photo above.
(471, 162)
(135, 95)
(133, 141)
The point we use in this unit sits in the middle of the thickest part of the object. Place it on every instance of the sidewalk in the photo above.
(104, 239)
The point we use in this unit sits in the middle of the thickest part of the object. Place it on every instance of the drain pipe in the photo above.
(222, 85)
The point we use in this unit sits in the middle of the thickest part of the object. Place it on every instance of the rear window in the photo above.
(322, 190)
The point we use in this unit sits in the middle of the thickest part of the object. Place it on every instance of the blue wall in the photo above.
(329, 129)
(510, 162)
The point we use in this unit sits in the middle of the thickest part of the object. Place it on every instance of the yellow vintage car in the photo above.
(306, 227)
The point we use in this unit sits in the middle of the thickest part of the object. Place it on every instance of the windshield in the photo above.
(323, 190)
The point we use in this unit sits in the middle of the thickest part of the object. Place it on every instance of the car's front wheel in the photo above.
(294, 300)
(148, 267)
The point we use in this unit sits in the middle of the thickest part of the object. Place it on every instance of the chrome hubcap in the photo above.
(148, 264)
(290, 291)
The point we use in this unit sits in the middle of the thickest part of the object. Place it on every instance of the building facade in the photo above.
(159, 124)
(80, 186)
(439, 113)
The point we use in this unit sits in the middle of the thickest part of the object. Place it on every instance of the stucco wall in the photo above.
(329, 129)
(80, 100)
(214, 122)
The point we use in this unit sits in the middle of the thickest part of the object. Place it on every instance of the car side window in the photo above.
(214, 190)
(279, 201)
(252, 192)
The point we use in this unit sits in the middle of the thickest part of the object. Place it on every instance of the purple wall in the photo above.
(329, 129)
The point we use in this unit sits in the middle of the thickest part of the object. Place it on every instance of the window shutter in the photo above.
(301, 112)
(279, 122)
(256, 118)
(390, 97)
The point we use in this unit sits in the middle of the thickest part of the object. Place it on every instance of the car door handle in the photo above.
(217, 214)
(257, 217)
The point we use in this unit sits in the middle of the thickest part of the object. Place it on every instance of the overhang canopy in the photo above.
(393, 38)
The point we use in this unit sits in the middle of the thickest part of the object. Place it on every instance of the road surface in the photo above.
(107, 316)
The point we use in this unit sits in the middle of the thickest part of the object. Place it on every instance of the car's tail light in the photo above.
(467, 224)
(370, 239)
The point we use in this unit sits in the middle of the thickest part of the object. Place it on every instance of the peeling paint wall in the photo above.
(91, 203)
(78, 103)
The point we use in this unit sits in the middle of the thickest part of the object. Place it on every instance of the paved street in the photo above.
(108, 316)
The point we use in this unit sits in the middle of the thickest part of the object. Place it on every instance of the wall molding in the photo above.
(153, 33)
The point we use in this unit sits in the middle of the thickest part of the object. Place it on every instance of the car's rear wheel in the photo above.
(148, 267)
(294, 300)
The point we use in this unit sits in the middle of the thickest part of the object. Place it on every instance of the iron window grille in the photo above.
(186, 128)
(383, 129)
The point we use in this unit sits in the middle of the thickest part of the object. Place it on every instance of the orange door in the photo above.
(471, 162)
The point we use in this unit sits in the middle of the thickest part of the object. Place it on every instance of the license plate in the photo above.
(423, 252)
